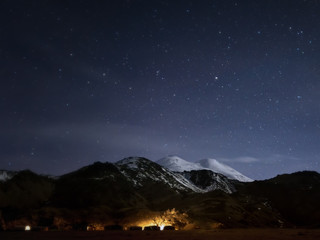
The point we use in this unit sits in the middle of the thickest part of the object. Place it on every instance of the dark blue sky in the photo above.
(86, 81)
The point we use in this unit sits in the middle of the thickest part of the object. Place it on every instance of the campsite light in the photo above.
(27, 228)
(161, 227)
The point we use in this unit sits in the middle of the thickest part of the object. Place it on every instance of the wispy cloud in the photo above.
(245, 159)
(278, 158)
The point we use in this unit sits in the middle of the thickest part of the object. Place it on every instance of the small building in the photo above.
(169, 228)
(19, 228)
(38, 228)
(81, 226)
(135, 228)
(113, 228)
(151, 228)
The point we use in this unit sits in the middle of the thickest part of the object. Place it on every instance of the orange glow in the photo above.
(170, 217)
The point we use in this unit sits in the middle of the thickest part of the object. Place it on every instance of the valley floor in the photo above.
(224, 234)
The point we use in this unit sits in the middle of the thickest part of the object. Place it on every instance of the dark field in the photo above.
(226, 234)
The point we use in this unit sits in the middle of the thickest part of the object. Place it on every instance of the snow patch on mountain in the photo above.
(137, 170)
(209, 181)
(178, 164)
(130, 162)
(185, 182)
(6, 175)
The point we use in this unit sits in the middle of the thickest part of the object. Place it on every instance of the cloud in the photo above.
(245, 159)
(271, 159)
(280, 158)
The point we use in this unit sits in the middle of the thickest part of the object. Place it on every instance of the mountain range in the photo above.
(135, 189)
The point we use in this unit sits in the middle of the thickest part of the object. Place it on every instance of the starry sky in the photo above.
(86, 81)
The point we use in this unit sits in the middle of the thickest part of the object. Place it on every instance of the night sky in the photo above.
(86, 81)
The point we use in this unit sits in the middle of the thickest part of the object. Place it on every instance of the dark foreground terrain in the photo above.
(124, 194)
(225, 234)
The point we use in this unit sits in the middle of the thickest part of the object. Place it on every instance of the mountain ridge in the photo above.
(177, 164)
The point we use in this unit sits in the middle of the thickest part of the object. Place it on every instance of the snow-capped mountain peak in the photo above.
(178, 164)
(224, 169)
